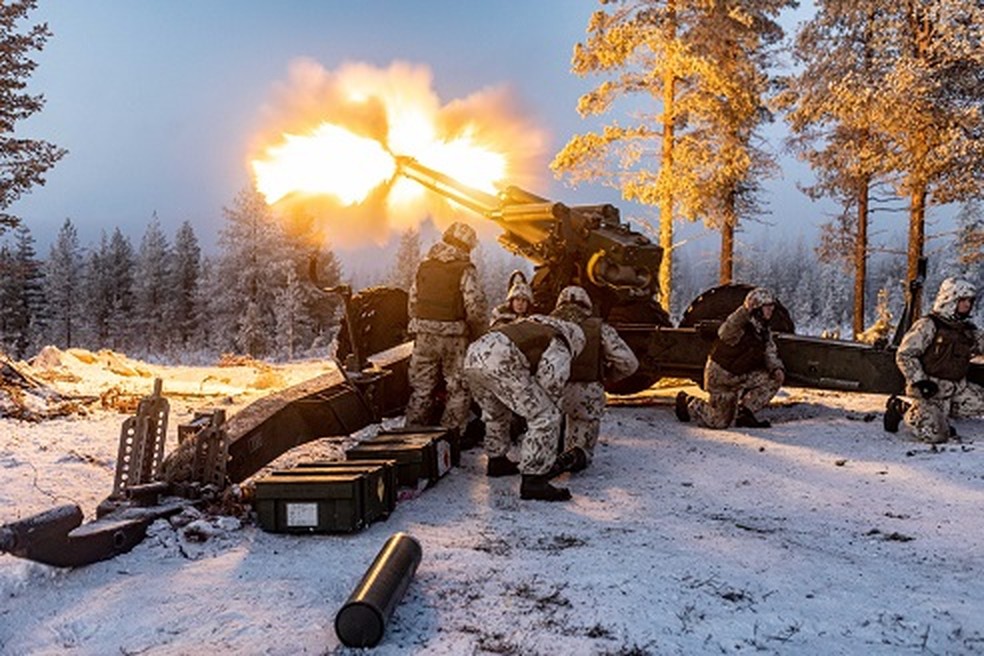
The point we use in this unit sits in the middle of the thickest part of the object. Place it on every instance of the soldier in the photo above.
(447, 311)
(605, 357)
(522, 367)
(743, 370)
(934, 357)
(519, 302)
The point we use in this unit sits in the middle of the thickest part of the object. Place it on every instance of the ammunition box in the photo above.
(418, 455)
(313, 503)
(435, 433)
(381, 483)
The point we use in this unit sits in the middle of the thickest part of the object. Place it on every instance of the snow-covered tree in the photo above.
(62, 290)
(23, 162)
(151, 290)
(690, 151)
(251, 267)
(21, 294)
(183, 279)
(406, 260)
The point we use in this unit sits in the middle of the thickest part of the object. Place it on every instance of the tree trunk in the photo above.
(860, 259)
(666, 168)
(727, 269)
(917, 239)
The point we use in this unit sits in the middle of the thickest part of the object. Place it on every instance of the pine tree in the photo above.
(151, 291)
(96, 293)
(120, 264)
(252, 265)
(180, 313)
(289, 314)
(23, 162)
(831, 109)
(703, 66)
(405, 261)
(63, 286)
(21, 294)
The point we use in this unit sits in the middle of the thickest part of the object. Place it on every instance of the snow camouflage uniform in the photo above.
(938, 348)
(504, 379)
(743, 370)
(503, 314)
(605, 357)
(447, 310)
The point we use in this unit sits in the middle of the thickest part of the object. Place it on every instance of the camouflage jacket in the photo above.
(476, 307)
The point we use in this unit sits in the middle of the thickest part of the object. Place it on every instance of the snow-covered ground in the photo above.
(822, 535)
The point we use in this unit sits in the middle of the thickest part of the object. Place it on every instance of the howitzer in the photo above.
(588, 245)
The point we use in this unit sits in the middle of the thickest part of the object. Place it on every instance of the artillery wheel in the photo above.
(379, 316)
(648, 313)
(717, 303)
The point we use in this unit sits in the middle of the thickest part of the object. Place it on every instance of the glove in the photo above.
(927, 388)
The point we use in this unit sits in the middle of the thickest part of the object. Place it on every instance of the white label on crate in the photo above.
(443, 457)
(302, 514)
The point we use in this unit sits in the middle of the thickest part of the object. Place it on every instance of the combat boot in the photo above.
(681, 408)
(572, 460)
(745, 419)
(501, 466)
(895, 409)
(539, 488)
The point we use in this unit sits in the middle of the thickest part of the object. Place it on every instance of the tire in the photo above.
(635, 313)
(717, 303)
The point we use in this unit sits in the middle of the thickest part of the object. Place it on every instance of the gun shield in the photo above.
(362, 620)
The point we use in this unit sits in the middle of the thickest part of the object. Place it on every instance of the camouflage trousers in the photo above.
(927, 418)
(499, 378)
(434, 357)
(727, 391)
(583, 405)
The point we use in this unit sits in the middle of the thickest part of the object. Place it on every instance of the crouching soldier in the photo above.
(934, 357)
(743, 370)
(605, 357)
(447, 309)
(522, 368)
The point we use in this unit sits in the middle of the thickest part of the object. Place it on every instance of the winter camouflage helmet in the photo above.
(758, 297)
(951, 291)
(460, 235)
(575, 295)
(520, 289)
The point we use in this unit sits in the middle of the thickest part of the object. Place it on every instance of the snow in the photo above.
(821, 535)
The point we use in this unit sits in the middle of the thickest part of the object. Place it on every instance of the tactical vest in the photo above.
(587, 366)
(745, 356)
(948, 357)
(439, 295)
(530, 337)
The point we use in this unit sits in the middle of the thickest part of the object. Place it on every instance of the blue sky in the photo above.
(157, 101)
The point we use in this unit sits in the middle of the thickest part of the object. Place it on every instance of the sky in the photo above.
(157, 102)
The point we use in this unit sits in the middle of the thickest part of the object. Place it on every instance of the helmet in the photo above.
(951, 291)
(575, 295)
(758, 297)
(520, 289)
(461, 235)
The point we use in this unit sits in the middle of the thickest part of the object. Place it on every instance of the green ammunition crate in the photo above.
(312, 504)
(418, 457)
(380, 476)
(420, 433)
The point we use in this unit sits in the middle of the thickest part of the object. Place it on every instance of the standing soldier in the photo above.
(447, 310)
(519, 302)
(934, 357)
(522, 367)
(605, 357)
(743, 370)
